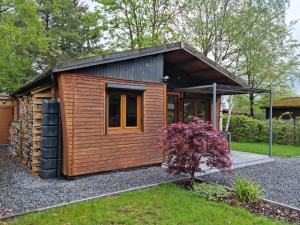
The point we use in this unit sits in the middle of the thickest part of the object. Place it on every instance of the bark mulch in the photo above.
(267, 209)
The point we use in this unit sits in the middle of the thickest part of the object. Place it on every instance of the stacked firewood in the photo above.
(14, 136)
(26, 122)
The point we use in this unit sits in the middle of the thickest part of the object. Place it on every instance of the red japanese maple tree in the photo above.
(192, 144)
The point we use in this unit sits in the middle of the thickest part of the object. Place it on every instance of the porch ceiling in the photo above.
(186, 67)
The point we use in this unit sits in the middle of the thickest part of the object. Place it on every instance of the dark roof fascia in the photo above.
(34, 82)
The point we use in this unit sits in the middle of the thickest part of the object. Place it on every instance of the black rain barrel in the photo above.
(50, 139)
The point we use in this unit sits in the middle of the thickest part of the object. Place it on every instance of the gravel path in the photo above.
(22, 192)
(280, 179)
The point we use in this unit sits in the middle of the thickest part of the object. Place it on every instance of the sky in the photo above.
(292, 14)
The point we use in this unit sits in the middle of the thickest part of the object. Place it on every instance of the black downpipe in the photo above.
(59, 147)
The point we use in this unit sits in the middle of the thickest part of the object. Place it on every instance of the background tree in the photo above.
(249, 37)
(21, 42)
(210, 26)
(139, 23)
(269, 58)
(66, 24)
(92, 33)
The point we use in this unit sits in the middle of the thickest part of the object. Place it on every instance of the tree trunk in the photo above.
(251, 99)
(221, 118)
(192, 180)
(229, 113)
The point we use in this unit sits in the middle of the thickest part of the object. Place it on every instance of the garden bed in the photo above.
(268, 209)
(261, 208)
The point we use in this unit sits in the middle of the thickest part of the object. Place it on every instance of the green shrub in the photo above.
(297, 130)
(247, 191)
(212, 192)
(246, 129)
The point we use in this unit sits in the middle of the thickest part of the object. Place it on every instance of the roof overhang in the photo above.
(179, 48)
(166, 49)
(33, 83)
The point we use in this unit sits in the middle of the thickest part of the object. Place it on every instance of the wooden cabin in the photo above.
(112, 105)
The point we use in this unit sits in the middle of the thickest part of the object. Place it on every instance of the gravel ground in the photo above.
(22, 192)
(280, 179)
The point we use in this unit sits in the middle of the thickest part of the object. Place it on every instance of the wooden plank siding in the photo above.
(87, 147)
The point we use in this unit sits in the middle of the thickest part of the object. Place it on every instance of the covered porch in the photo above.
(195, 85)
(240, 160)
(216, 90)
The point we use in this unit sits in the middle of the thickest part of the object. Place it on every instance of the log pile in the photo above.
(14, 140)
(25, 135)
(26, 122)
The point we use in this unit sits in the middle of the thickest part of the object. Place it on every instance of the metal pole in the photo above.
(294, 123)
(270, 124)
(214, 105)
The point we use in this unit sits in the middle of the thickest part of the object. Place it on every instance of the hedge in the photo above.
(246, 129)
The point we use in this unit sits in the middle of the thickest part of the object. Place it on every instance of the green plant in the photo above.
(247, 191)
(211, 192)
(188, 145)
(249, 130)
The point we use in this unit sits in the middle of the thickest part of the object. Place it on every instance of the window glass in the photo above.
(124, 111)
(171, 109)
(131, 110)
(201, 110)
(114, 111)
(188, 110)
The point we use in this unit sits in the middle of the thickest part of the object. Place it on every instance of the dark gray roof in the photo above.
(130, 54)
(33, 82)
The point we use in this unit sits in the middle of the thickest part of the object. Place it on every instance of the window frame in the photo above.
(195, 102)
(176, 95)
(123, 112)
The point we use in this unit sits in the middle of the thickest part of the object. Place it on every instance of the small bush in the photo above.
(247, 191)
(211, 192)
(192, 144)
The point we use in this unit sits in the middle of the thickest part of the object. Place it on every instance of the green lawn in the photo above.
(263, 148)
(165, 204)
